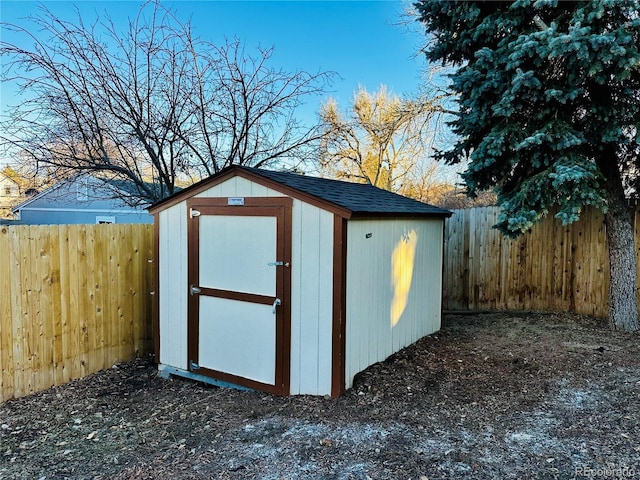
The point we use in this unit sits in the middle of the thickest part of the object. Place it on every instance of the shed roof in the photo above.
(354, 198)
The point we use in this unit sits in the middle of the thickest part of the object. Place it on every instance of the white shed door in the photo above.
(239, 291)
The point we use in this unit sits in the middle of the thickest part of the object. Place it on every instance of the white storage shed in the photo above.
(292, 284)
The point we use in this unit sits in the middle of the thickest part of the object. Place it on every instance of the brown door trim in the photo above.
(281, 208)
(339, 322)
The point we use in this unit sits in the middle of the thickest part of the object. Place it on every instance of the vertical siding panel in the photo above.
(482, 263)
(56, 306)
(112, 336)
(461, 277)
(498, 296)
(325, 300)
(6, 317)
(100, 245)
(297, 281)
(577, 293)
(529, 270)
(28, 303)
(568, 267)
(150, 286)
(454, 258)
(34, 282)
(560, 266)
(310, 268)
(46, 327)
(312, 301)
(450, 256)
(600, 247)
(448, 261)
(91, 336)
(65, 299)
(113, 329)
(228, 188)
(83, 300)
(253, 189)
(555, 264)
(584, 301)
(507, 279)
(16, 236)
(471, 265)
(173, 284)
(137, 269)
(543, 257)
(124, 292)
(355, 332)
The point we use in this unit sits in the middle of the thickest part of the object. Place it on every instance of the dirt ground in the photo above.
(489, 396)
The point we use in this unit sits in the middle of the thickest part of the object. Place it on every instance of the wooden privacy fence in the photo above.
(552, 267)
(74, 299)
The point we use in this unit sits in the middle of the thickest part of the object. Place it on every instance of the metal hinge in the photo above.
(193, 213)
(193, 365)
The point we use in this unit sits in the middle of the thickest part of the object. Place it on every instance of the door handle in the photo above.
(193, 290)
(276, 302)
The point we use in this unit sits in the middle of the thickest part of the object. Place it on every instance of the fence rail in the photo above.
(552, 267)
(74, 299)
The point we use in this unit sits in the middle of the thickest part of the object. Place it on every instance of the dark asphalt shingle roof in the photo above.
(357, 197)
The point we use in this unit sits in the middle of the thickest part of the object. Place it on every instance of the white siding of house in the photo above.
(173, 286)
(371, 334)
(311, 286)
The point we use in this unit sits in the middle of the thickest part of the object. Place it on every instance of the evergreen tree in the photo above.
(549, 108)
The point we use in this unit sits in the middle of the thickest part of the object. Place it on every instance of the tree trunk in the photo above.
(623, 305)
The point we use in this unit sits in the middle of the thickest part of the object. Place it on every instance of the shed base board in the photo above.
(166, 371)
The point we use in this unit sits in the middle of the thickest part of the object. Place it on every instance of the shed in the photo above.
(292, 284)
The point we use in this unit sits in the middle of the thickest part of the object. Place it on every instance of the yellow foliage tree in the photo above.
(385, 141)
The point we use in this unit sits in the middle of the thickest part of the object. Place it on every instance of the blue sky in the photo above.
(362, 41)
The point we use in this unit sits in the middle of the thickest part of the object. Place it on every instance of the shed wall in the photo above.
(173, 286)
(394, 287)
(311, 286)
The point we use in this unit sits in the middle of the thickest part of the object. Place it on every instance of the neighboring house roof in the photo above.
(120, 189)
(350, 198)
(133, 190)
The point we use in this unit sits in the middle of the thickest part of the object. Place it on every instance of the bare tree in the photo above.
(385, 141)
(153, 105)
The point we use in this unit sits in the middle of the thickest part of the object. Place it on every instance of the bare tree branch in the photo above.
(153, 105)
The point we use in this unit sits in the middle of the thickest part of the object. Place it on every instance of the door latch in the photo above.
(278, 264)
(276, 303)
(193, 290)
